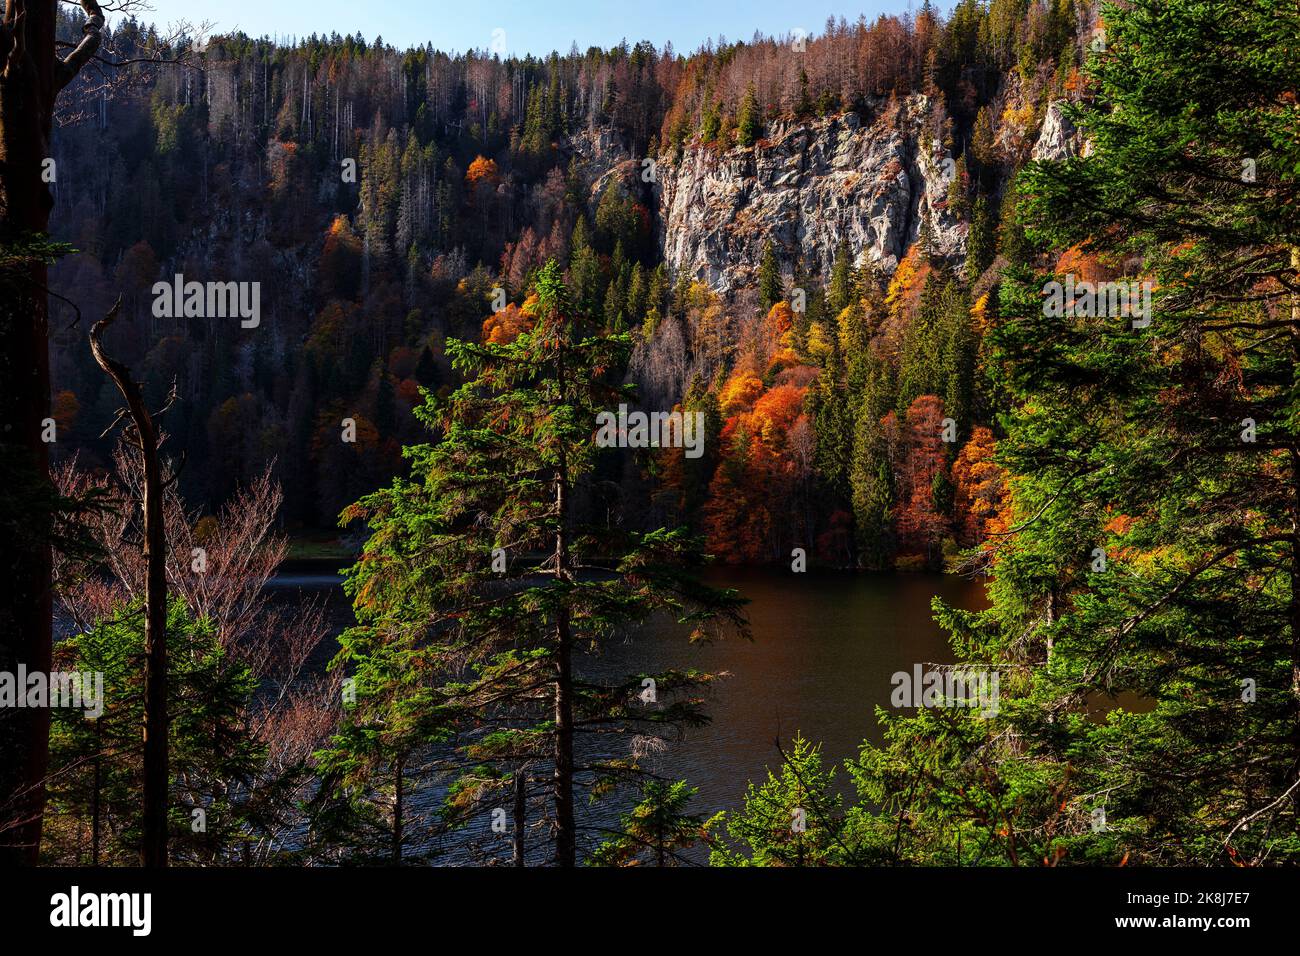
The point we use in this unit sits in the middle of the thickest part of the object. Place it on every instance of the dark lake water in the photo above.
(825, 647)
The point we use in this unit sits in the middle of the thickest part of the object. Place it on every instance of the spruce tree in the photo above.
(981, 244)
(840, 292)
(1153, 549)
(486, 556)
(794, 818)
(214, 753)
(749, 123)
(770, 291)
(656, 831)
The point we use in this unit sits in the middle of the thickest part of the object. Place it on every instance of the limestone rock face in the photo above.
(807, 186)
(1058, 137)
(601, 154)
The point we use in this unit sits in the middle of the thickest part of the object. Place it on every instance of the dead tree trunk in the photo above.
(398, 796)
(521, 812)
(566, 836)
(153, 848)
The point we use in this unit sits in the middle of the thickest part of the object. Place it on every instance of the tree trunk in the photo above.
(1051, 619)
(94, 805)
(31, 76)
(397, 816)
(566, 843)
(153, 848)
(1295, 519)
(521, 811)
(566, 850)
(26, 90)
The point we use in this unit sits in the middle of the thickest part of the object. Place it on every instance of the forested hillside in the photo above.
(797, 232)
(1012, 288)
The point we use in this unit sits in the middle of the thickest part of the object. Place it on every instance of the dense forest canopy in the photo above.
(380, 196)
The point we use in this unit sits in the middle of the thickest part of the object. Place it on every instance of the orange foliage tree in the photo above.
(980, 490)
(749, 515)
(739, 393)
(921, 526)
(481, 171)
(502, 328)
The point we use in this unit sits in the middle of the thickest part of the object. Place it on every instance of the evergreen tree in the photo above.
(1154, 550)
(710, 123)
(770, 290)
(981, 244)
(749, 123)
(840, 292)
(794, 818)
(959, 190)
(832, 422)
(870, 479)
(585, 272)
(509, 478)
(392, 716)
(803, 107)
(958, 345)
(656, 830)
(637, 295)
(214, 754)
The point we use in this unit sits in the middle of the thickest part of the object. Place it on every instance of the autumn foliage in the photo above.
(505, 326)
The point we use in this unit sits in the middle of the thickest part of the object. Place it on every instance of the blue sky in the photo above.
(531, 26)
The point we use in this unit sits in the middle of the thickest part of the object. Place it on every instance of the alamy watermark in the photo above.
(947, 686)
(1099, 299)
(209, 300)
(74, 690)
(76, 909)
(651, 430)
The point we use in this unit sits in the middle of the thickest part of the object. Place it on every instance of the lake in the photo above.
(825, 647)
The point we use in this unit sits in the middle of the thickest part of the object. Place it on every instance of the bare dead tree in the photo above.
(144, 435)
(295, 711)
(219, 565)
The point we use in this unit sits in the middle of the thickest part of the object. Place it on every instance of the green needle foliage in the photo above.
(656, 831)
(1146, 606)
(216, 758)
(493, 568)
(794, 818)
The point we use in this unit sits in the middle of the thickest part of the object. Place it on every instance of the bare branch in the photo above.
(93, 35)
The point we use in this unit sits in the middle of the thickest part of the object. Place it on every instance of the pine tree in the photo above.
(980, 246)
(832, 422)
(585, 272)
(1153, 548)
(509, 478)
(872, 494)
(656, 830)
(959, 190)
(870, 478)
(840, 292)
(749, 123)
(794, 818)
(392, 716)
(214, 753)
(1200, 592)
(770, 290)
(710, 123)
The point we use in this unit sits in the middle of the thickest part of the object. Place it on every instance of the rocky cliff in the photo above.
(808, 186)
(1058, 137)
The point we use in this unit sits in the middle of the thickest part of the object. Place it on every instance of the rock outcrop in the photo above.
(601, 154)
(1058, 137)
(808, 186)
